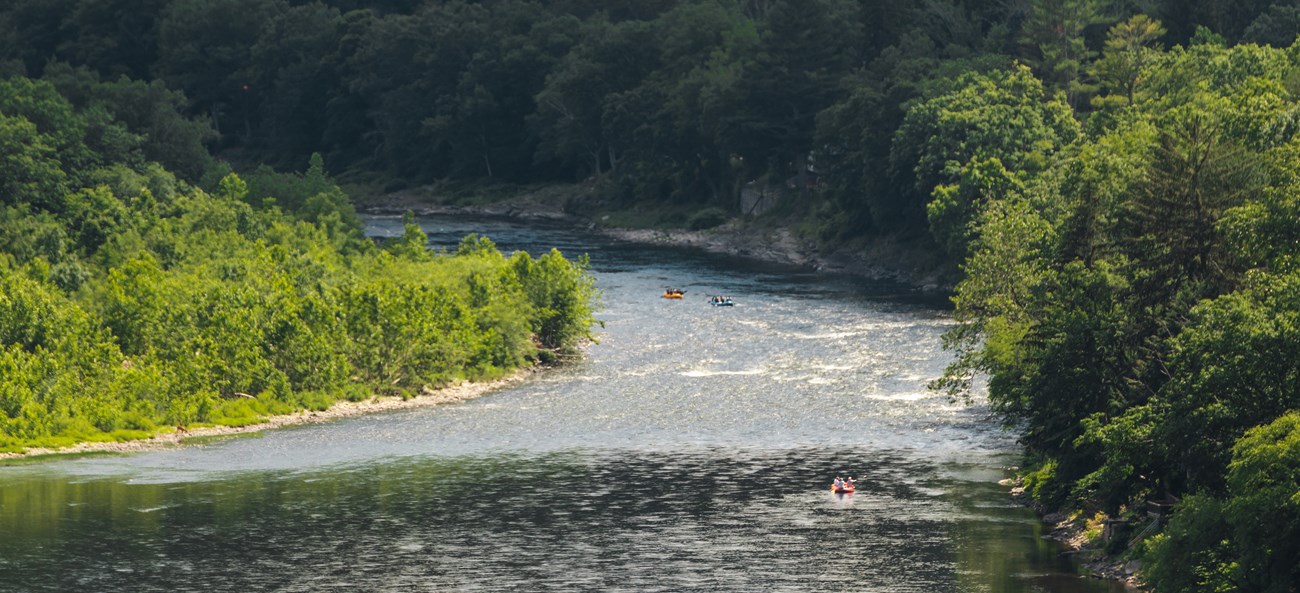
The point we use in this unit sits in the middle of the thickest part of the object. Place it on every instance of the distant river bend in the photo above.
(690, 451)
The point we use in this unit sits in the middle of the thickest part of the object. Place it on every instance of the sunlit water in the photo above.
(690, 451)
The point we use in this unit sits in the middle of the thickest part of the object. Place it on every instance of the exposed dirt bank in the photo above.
(912, 262)
(177, 436)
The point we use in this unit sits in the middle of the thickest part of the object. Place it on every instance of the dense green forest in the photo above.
(132, 301)
(1118, 180)
(660, 101)
(1131, 293)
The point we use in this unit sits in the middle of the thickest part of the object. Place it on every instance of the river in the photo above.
(691, 450)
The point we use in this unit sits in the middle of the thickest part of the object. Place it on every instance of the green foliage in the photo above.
(1248, 541)
(1130, 272)
(311, 196)
(1042, 485)
(1002, 277)
(131, 301)
(994, 132)
(667, 102)
(1210, 403)
(955, 211)
(474, 245)
(1128, 53)
(1054, 32)
(57, 125)
(562, 294)
(412, 245)
(1194, 554)
(1133, 299)
(706, 219)
(1278, 26)
(32, 174)
(137, 121)
(1264, 506)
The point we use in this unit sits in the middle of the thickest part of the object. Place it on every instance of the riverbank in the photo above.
(913, 261)
(1074, 532)
(178, 436)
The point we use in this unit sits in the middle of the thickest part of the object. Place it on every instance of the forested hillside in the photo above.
(1132, 294)
(132, 301)
(661, 101)
(1119, 181)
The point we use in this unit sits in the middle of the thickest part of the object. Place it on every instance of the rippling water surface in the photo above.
(690, 451)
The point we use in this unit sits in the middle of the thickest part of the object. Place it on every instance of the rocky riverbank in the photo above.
(1074, 532)
(913, 262)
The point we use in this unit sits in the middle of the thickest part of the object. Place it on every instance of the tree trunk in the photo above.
(801, 173)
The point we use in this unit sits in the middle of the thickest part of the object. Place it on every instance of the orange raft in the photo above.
(847, 489)
(673, 293)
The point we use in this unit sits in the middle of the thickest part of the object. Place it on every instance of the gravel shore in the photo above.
(176, 437)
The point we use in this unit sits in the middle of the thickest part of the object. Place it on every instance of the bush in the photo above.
(1193, 555)
(707, 219)
(1251, 540)
(1043, 486)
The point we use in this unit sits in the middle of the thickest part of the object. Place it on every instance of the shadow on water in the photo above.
(706, 520)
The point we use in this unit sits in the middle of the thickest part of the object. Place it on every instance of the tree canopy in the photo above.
(132, 300)
(1132, 301)
(666, 102)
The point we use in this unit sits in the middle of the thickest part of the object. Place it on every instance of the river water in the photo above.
(690, 451)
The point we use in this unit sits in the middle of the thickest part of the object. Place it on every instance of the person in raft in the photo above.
(838, 483)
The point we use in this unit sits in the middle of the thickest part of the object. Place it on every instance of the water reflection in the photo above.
(711, 520)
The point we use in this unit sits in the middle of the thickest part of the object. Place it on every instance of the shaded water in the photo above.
(691, 451)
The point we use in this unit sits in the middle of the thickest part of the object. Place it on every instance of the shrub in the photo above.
(1249, 541)
(707, 219)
